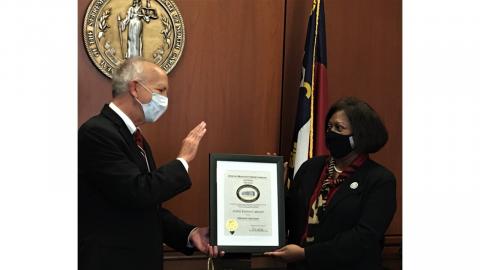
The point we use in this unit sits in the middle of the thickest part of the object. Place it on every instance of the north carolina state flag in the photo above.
(309, 134)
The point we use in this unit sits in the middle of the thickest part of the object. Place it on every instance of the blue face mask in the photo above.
(155, 108)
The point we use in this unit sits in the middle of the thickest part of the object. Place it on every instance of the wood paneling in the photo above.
(230, 75)
(94, 89)
(364, 53)
(176, 261)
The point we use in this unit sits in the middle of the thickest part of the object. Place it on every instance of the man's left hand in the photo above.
(200, 239)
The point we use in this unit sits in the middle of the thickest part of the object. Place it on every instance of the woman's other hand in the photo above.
(289, 253)
(285, 168)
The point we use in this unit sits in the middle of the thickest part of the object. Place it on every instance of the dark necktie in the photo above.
(137, 135)
(139, 140)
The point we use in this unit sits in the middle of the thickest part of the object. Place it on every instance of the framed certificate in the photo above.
(246, 203)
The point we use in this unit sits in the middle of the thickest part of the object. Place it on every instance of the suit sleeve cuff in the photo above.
(189, 243)
(184, 162)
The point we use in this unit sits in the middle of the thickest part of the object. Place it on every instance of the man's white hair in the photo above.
(130, 70)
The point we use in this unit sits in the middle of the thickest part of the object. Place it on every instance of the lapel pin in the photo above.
(354, 185)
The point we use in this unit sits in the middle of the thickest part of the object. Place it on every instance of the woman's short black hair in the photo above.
(369, 132)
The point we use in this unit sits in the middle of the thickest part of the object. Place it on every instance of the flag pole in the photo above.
(310, 143)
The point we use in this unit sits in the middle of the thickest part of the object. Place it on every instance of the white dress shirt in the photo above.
(132, 128)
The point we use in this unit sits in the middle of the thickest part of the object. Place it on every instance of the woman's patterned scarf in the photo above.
(324, 191)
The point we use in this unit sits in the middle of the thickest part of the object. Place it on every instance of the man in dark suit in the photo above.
(122, 224)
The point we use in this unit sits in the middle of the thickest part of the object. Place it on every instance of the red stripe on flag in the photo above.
(321, 107)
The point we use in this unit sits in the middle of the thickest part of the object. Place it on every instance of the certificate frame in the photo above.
(262, 227)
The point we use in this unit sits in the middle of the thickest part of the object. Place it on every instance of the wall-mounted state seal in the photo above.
(114, 30)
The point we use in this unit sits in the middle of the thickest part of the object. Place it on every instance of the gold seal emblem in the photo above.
(114, 30)
(231, 225)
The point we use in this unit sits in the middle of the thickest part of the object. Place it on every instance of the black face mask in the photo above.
(338, 144)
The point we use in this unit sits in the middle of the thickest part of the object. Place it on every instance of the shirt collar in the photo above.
(130, 125)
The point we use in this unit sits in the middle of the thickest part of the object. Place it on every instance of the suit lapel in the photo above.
(349, 187)
(135, 153)
(148, 150)
(352, 185)
(122, 128)
(309, 180)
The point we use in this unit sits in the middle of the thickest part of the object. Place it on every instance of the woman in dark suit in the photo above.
(339, 206)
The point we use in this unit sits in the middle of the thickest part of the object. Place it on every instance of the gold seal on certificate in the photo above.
(232, 225)
(246, 202)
